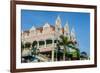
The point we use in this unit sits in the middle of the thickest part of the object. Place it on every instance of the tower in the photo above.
(58, 27)
(72, 35)
(74, 39)
(66, 30)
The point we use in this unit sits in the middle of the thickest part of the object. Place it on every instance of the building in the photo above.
(47, 36)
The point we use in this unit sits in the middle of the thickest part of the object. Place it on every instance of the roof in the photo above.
(41, 29)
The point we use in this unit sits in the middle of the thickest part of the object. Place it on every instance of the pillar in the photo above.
(38, 44)
(52, 53)
(44, 43)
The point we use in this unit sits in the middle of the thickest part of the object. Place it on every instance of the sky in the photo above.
(79, 21)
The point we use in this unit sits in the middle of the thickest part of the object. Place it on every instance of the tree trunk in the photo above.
(64, 54)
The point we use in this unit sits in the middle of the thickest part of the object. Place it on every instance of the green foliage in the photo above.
(34, 44)
(64, 42)
(68, 44)
(35, 50)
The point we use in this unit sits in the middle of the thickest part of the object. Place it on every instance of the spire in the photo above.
(73, 36)
(58, 22)
(58, 18)
(58, 26)
(66, 28)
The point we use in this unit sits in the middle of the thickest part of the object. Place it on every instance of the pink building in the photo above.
(47, 33)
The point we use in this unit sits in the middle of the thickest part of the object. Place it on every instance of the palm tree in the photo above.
(78, 54)
(34, 47)
(58, 53)
(65, 43)
(77, 51)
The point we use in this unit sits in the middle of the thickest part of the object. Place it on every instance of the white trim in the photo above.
(20, 65)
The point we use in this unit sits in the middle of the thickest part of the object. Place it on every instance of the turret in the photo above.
(66, 30)
(58, 27)
(73, 36)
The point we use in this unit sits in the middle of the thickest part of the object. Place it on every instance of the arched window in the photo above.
(49, 41)
(41, 42)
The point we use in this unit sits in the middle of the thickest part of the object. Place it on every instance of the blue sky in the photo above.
(79, 21)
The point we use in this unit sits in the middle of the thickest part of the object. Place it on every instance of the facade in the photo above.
(48, 33)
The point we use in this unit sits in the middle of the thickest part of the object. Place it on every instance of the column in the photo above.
(52, 42)
(44, 43)
(38, 44)
(52, 53)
